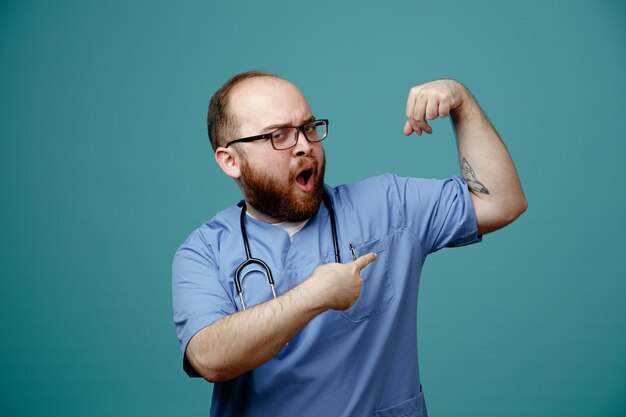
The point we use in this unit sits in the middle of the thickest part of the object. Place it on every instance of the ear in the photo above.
(228, 160)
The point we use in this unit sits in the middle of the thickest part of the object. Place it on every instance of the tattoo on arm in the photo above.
(471, 180)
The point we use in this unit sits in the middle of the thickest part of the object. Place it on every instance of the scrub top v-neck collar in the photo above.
(310, 244)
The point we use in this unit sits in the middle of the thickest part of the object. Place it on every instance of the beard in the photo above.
(279, 199)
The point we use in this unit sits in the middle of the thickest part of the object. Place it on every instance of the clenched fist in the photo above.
(432, 100)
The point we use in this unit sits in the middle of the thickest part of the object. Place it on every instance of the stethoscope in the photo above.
(268, 272)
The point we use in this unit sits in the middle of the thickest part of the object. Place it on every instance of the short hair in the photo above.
(220, 122)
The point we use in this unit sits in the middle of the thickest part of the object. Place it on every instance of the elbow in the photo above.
(206, 360)
(219, 375)
(514, 210)
(522, 207)
(497, 217)
(214, 376)
(517, 209)
(205, 367)
(210, 372)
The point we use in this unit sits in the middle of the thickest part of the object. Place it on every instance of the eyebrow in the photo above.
(279, 125)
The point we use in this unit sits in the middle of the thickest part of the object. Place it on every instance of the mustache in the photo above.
(302, 162)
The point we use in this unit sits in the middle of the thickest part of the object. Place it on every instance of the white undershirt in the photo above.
(290, 227)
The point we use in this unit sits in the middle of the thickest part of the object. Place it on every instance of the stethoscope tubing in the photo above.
(268, 272)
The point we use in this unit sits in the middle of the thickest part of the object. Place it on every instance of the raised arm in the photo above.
(242, 341)
(486, 165)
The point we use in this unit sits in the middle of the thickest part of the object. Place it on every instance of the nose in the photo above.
(303, 146)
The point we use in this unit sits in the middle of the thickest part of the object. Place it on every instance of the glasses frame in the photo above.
(269, 135)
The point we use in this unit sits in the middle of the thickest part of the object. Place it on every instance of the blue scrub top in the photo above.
(358, 362)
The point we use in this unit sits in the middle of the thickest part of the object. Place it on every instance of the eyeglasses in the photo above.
(286, 137)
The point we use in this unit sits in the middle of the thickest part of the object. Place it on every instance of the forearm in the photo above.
(242, 341)
(487, 166)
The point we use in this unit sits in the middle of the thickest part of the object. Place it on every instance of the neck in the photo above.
(259, 215)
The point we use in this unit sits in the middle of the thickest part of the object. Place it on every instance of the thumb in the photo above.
(365, 260)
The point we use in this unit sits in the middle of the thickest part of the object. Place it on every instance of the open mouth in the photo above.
(304, 178)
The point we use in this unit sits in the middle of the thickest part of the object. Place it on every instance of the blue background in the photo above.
(106, 168)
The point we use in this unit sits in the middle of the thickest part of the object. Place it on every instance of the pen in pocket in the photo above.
(352, 249)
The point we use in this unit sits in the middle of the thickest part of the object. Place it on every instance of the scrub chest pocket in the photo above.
(413, 407)
(377, 291)
(376, 296)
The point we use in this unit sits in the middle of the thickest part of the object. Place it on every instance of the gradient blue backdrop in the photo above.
(106, 168)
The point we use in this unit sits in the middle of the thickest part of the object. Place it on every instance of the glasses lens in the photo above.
(284, 138)
(316, 130)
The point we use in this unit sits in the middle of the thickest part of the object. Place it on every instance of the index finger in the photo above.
(365, 260)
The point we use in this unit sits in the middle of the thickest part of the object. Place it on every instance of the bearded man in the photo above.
(301, 300)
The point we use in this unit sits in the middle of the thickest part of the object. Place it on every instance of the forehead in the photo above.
(263, 101)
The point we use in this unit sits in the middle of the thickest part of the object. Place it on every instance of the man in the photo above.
(329, 338)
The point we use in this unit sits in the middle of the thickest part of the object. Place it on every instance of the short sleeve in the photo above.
(198, 296)
(440, 212)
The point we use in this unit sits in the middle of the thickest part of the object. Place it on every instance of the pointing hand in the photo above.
(339, 285)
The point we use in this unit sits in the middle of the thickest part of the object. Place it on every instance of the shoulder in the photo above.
(383, 189)
(367, 188)
(390, 194)
(375, 199)
(205, 239)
